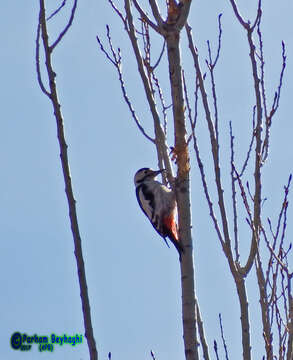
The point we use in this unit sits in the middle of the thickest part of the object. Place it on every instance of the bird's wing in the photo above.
(145, 200)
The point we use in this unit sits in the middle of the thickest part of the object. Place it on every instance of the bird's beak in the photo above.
(157, 172)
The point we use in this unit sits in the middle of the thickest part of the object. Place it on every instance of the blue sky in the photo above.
(133, 278)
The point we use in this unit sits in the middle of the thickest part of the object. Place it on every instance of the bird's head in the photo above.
(145, 174)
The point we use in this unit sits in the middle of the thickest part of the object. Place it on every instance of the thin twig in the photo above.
(223, 338)
(57, 10)
(119, 13)
(278, 92)
(243, 194)
(276, 257)
(211, 69)
(162, 101)
(219, 40)
(250, 145)
(160, 57)
(38, 69)
(234, 201)
(66, 28)
(275, 104)
(153, 79)
(115, 59)
(258, 16)
(105, 51)
(211, 65)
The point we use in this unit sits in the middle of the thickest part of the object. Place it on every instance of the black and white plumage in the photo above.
(159, 204)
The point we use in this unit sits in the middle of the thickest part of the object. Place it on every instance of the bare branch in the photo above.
(265, 306)
(234, 202)
(250, 145)
(156, 12)
(216, 349)
(161, 145)
(275, 105)
(276, 257)
(164, 107)
(160, 57)
(201, 167)
(262, 66)
(258, 130)
(223, 338)
(214, 148)
(57, 10)
(245, 323)
(119, 13)
(187, 100)
(68, 185)
(57, 41)
(193, 123)
(211, 65)
(115, 59)
(238, 16)
(145, 17)
(254, 241)
(153, 80)
(258, 16)
(290, 322)
(277, 276)
(243, 195)
(38, 69)
(235, 270)
(278, 92)
(258, 146)
(283, 210)
(202, 336)
(105, 51)
(214, 63)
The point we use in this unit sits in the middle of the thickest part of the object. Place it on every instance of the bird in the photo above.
(158, 203)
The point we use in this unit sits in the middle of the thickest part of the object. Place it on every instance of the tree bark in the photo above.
(182, 190)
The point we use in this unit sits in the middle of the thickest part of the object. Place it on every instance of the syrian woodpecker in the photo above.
(159, 205)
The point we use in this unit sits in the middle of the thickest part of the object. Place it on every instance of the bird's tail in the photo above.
(172, 233)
